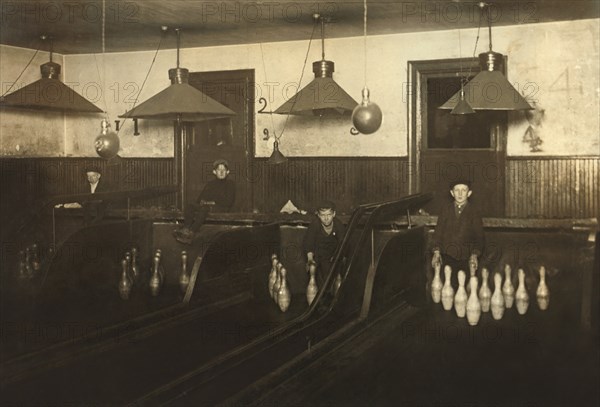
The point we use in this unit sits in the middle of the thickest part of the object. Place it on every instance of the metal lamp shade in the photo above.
(462, 107)
(180, 101)
(49, 93)
(276, 156)
(323, 96)
(489, 89)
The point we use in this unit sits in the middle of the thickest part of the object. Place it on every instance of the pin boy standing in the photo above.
(458, 238)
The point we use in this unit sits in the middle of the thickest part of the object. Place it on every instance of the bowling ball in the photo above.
(107, 145)
(367, 117)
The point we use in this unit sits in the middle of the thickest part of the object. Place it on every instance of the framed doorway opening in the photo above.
(445, 147)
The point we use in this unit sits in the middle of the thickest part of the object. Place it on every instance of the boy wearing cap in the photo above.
(458, 238)
(218, 195)
(323, 236)
(93, 211)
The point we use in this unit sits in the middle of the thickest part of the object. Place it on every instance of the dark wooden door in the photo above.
(230, 138)
(451, 147)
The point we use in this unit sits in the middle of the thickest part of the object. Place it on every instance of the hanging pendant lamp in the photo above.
(323, 96)
(489, 89)
(276, 156)
(180, 101)
(462, 107)
(49, 93)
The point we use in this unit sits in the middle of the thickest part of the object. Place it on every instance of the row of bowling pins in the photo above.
(503, 297)
(278, 288)
(130, 273)
(29, 262)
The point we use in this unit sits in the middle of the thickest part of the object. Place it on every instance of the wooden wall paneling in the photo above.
(26, 181)
(550, 187)
(553, 187)
(347, 181)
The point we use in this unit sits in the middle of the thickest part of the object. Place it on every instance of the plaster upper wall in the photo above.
(556, 63)
(24, 132)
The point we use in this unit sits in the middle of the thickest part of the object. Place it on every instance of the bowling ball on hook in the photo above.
(107, 145)
(367, 117)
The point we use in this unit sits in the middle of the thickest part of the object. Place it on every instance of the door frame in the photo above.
(418, 73)
(245, 171)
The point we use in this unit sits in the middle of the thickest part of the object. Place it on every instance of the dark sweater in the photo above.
(320, 243)
(222, 191)
(459, 236)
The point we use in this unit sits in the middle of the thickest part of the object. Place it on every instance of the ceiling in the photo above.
(133, 25)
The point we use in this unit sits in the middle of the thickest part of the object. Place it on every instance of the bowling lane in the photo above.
(114, 376)
(430, 357)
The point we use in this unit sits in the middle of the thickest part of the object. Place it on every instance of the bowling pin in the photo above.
(543, 293)
(156, 277)
(273, 274)
(184, 277)
(135, 269)
(312, 289)
(473, 304)
(508, 290)
(497, 301)
(485, 294)
(447, 290)
(125, 282)
(277, 284)
(35, 260)
(436, 284)
(284, 296)
(521, 296)
(460, 299)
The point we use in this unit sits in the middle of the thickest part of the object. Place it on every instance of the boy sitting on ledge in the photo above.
(217, 196)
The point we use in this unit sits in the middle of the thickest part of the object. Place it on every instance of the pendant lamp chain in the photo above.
(462, 77)
(312, 34)
(322, 38)
(163, 32)
(104, 58)
(102, 76)
(477, 39)
(367, 116)
(365, 40)
(262, 54)
(489, 20)
(43, 37)
(178, 44)
(107, 144)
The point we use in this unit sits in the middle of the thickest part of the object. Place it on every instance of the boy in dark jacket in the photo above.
(322, 238)
(458, 238)
(217, 196)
